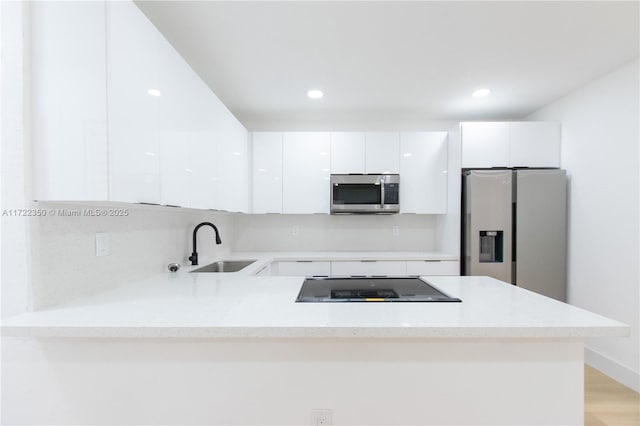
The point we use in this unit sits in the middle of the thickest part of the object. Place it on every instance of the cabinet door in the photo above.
(485, 145)
(133, 104)
(68, 72)
(382, 152)
(203, 161)
(423, 172)
(433, 267)
(176, 172)
(184, 131)
(368, 267)
(233, 185)
(267, 172)
(305, 268)
(347, 152)
(306, 172)
(534, 144)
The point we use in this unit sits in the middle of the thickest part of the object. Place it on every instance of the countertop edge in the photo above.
(310, 332)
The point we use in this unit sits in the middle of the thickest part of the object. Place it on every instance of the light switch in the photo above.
(102, 244)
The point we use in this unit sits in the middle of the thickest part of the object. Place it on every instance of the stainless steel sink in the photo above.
(225, 266)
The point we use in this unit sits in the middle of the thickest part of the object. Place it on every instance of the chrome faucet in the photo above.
(194, 256)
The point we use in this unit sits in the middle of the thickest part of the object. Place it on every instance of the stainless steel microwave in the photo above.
(365, 193)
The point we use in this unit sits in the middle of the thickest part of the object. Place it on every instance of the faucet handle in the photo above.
(193, 258)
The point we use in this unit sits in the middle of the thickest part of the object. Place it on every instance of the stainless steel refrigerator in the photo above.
(514, 227)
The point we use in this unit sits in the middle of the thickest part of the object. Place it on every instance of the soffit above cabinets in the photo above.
(395, 60)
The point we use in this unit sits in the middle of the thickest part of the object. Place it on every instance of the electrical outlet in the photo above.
(321, 417)
(295, 230)
(396, 230)
(102, 244)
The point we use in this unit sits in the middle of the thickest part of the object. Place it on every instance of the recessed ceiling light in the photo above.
(315, 94)
(153, 92)
(407, 154)
(481, 93)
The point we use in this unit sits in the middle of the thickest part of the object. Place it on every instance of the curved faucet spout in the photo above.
(194, 255)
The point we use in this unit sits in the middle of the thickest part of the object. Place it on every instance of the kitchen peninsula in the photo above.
(199, 343)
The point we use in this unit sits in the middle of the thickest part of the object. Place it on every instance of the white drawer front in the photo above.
(304, 268)
(363, 267)
(428, 267)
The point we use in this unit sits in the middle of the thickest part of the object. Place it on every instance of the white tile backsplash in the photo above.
(283, 232)
(144, 242)
(141, 244)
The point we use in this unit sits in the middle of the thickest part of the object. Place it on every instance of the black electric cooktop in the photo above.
(370, 289)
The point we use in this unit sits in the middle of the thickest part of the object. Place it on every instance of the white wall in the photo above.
(600, 153)
(142, 244)
(335, 233)
(14, 132)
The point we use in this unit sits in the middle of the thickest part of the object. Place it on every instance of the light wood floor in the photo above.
(607, 402)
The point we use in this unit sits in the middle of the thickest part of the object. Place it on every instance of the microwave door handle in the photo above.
(382, 193)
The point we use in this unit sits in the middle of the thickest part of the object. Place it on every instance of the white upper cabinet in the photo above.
(357, 152)
(307, 159)
(382, 152)
(347, 152)
(423, 172)
(510, 144)
(171, 140)
(134, 105)
(267, 172)
(534, 144)
(180, 107)
(233, 164)
(103, 70)
(203, 165)
(306, 172)
(69, 100)
(485, 145)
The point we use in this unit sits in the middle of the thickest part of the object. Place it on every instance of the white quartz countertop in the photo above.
(240, 305)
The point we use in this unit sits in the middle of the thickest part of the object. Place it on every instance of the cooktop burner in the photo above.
(370, 289)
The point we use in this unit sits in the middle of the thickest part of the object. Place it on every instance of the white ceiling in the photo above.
(393, 60)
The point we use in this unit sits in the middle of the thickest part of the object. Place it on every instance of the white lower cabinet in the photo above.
(305, 268)
(368, 267)
(433, 267)
(310, 268)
